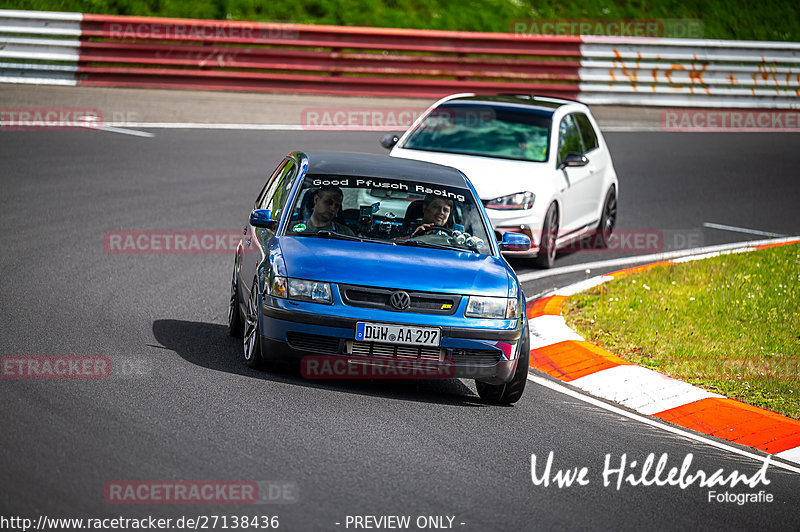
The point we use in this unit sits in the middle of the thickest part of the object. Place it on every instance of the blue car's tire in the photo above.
(235, 321)
(510, 392)
(252, 331)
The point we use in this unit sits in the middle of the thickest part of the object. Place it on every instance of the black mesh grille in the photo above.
(332, 346)
(406, 352)
(355, 296)
(422, 302)
(313, 342)
(475, 357)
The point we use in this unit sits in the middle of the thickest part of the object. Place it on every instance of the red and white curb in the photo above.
(562, 353)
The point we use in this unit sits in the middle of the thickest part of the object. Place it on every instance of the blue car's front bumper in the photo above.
(291, 331)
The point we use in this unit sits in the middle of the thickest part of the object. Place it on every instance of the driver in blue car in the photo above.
(327, 204)
(435, 213)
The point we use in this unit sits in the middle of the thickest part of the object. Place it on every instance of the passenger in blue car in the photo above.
(327, 204)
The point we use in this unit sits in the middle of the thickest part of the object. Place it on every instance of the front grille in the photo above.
(421, 302)
(404, 352)
(329, 345)
(313, 342)
(475, 357)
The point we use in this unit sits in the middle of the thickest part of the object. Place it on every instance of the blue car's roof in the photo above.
(383, 166)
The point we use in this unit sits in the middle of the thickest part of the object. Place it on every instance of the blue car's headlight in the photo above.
(492, 307)
(301, 290)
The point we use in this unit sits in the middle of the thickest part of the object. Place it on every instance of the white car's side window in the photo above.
(588, 133)
(569, 138)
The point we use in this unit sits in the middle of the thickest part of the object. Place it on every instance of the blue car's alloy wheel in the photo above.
(252, 332)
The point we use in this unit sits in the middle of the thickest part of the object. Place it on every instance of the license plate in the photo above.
(398, 334)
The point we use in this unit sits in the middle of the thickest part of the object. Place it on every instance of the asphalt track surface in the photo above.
(183, 406)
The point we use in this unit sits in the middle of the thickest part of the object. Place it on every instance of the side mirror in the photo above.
(262, 218)
(389, 140)
(572, 159)
(515, 242)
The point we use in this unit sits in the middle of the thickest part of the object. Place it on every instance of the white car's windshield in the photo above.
(390, 211)
(489, 131)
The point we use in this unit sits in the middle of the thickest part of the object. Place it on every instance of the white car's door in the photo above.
(599, 163)
(578, 189)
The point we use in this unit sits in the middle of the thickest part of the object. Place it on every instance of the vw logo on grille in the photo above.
(400, 300)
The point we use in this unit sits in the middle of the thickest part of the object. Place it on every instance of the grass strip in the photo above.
(728, 324)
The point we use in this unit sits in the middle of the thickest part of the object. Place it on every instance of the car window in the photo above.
(588, 133)
(569, 138)
(477, 129)
(389, 211)
(278, 190)
(268, 185)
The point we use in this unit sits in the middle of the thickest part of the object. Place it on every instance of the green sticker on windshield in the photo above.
(299, 228)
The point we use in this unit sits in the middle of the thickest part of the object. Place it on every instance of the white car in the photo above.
(540, 165)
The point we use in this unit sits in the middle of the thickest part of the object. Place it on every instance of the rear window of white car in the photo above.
(475, 129)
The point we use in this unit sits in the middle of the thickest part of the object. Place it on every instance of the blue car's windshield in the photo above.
(480, 129)
(390, 211)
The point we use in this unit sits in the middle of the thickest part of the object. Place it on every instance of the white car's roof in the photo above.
(542, 103)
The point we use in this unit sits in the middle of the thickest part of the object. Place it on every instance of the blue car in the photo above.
(366, 266)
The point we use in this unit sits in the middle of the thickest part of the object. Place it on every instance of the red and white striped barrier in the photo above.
(105, 50)
(563, 354)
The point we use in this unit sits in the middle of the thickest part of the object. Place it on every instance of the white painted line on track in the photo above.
(558, 387)
(184, 125)
(248, 127)
(299, 127)
(125, 131)
(632, 129)
(94, 123)
(653, 257)
(693, 258)
(88, 124)
(740, 229)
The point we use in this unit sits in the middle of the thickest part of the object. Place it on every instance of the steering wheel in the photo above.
(435, 228)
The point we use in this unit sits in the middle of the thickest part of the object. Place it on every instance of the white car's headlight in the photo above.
(301, 290)
(492, 307)
(519, 201)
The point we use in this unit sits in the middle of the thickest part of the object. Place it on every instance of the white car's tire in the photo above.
(547, 244)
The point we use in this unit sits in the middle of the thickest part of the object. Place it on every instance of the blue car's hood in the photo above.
(384, 265)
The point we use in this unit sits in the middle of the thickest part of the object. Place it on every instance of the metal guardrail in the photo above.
(38, 59)
(684, 72)
(41, 47)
